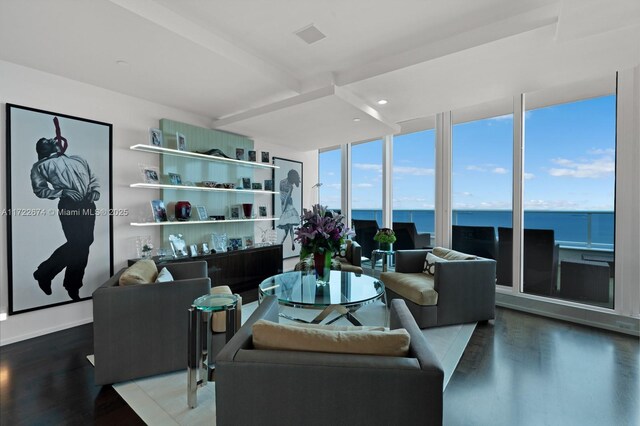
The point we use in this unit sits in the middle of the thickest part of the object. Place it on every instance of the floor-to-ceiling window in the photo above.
(482, 158)
(569, 201)
(366, 181)
(413, 181)
(328, 191)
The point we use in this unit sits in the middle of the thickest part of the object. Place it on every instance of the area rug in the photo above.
(162, 399)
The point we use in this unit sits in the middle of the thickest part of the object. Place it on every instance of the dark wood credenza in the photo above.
(241, 270)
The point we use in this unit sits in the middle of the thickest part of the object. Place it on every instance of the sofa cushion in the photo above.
(417, 286)
(274, 336)
(142, 272)
(448, 254)
(430, 264)
(164, 276)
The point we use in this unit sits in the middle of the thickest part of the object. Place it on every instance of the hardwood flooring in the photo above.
(520, 369)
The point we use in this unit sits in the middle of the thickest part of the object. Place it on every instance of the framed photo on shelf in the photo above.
(234, 212)
(265, 156)
(235, 243)
(246, 183)
(262, 211)
(252, 156)
(175, 179)
(268, 185)
(150, 174)
(181, 142)
(239, 153)
(155, 137)
(159, 211)
(248, 241)
(202, 213)
(178, 245)
(53, 241)
(288, 204)
(194, 250)
(256, 185)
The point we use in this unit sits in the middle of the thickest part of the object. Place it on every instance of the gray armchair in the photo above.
(292, 388)
(141, 330)
(461, 290)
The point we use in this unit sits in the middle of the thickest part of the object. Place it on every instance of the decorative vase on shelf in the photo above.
(322, 266)
(183, 210)
(247, 209)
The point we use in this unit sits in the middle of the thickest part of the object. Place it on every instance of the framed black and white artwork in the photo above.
(59, 207)
(287, 206)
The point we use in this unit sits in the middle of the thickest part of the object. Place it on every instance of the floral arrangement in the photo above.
(385, 235)
(322, 231)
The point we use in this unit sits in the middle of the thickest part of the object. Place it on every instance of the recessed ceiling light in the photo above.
(356, 119)
(382, 102)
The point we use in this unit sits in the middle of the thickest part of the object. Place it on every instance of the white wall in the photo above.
(131, 119)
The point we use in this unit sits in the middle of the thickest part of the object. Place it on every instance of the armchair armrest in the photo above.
(410, 260)
(356, 254)
(466, 290)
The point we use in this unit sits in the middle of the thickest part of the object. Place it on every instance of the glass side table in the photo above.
(387, 256)
(200, 368)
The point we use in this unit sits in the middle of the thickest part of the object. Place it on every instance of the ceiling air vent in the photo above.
(310, 34)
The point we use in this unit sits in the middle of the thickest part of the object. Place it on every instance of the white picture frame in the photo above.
(181, 142)
(202, 213)
(150, 174)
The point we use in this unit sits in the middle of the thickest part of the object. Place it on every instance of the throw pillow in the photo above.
(274, 336)
(164, 276)
(142, 272)
(430, 264)
(448, 254)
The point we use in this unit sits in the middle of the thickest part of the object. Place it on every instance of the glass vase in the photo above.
(322, 266)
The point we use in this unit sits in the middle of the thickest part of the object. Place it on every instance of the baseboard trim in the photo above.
(607, 321)
(42, 332)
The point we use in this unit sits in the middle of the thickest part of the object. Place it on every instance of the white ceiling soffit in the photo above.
(583, 18)
(318, 119)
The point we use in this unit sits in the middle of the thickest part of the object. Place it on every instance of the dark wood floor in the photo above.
(517, 370)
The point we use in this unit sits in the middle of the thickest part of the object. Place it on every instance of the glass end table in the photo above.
(387, 257)
(200, 368)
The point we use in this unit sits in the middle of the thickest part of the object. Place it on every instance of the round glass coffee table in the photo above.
(344, 293)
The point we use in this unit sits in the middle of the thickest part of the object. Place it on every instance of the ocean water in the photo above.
(593, 229)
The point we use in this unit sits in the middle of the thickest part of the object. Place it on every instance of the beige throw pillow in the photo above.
(142, 272)
(448, 254)
(274, 336)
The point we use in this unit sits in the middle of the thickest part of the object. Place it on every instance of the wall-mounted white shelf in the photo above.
(202, 222)
(195, 155)
(199, 188)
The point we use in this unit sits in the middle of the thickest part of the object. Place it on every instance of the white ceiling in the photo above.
(239, 62)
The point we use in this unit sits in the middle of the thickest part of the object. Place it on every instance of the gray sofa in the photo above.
(141, 330)
(461, 291)
(272, 387)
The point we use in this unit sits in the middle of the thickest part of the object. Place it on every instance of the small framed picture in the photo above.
(150, 174)
(235, 243)
(268, 185)
(256, 185)
(202, 213)
(248, 241)
(193, 248)
(181, 142)
(239, 153)
(246, 183)
(155, 137)
(252, 156)
(265, 156)
(234, 212)
(175, 179)
(159, 211)
(205, 248)
(262, 211)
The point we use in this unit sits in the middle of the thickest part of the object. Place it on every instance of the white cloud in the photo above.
(591, 169)
(368, 166)
(414, 171)
(599, 151)
(464, 194)
(551, 205)
(476, 168)
(528, 176)
(362, 185)
(500, 170)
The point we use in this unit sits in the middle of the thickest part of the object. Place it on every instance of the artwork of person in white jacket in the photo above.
(69, 179)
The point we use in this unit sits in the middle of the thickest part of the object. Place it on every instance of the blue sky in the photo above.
(569, 163)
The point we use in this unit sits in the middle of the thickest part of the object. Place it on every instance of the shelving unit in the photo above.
(199, 188)
(195, 155)
(202, 222)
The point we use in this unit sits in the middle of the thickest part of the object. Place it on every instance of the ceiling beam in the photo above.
(171, 21)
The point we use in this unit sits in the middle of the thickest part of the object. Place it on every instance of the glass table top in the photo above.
(215, 302)
(301, 289)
